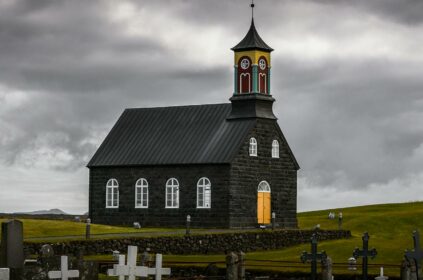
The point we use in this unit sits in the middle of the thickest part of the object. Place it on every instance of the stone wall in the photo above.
(195, 244)
(247, 172)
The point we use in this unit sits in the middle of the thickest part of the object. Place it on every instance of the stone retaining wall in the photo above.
(194, 244)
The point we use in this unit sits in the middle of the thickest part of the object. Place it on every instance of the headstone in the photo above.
(158, 271)
(4, 274)
(47, 259)
(88, 229)
(365, 253)
(11, 248)
(408, 270)
(121, 262)
(145, 258)
(131, 270)
(231, 266)
(64, 273)
(327, 269)
(416, 255)
(188, 229)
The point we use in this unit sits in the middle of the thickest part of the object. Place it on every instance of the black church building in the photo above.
(225, 165)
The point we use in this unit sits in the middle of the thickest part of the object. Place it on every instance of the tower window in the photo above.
(253, 147)
(141, 193)
(172, 193)
(112, 194)
(204, 193)
(275, 149)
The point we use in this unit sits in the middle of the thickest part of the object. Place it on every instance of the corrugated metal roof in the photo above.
(173, 135)
(252, 41)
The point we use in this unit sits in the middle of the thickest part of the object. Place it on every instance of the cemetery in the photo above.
(278, 254)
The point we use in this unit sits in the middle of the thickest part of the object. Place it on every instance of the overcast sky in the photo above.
(347, 77)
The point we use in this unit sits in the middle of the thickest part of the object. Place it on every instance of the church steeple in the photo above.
(252, 63)
(251, 98)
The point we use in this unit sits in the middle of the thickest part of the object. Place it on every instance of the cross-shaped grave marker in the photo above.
(4, 274)
(365, 253)
(313, 257)
(131, 270)
(158, 271)
(64, 273)
(416, 254)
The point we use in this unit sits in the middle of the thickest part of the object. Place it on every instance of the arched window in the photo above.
(262, 83)
(244, 83)
(141, 193)
(275, 149)
(112, 194)
(172, 193)
(253, 147)
(204, 193)
(263, 187)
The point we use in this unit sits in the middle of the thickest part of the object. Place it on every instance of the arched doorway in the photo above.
(263, 203)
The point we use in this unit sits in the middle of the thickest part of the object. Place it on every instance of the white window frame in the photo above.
(263, 186)
(172, 190)
(141, 190)
(265, 82)
(112, 188)
(204, 193)
(253, 147)
(275, 149)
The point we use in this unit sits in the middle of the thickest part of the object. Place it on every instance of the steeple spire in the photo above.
(252, 9)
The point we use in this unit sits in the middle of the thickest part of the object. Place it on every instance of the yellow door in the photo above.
(263, 207)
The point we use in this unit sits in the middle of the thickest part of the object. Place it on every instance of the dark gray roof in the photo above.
(252, 41)
(173, 135)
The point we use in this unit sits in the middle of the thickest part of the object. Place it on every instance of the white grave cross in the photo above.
(130, 269)
(4, 274)
(64, 273)
(158, 271)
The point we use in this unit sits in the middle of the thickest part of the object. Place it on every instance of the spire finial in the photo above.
(252, 9)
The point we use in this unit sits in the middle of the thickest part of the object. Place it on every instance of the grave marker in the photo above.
(64, 273)
(416, 254)
(4, 274)
(131, 270)
(365, 253)
(11, 248)
(313, 257)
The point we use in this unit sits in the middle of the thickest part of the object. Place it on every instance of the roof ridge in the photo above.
(178, 106)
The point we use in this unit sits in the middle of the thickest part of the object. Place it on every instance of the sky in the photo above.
(347, 77)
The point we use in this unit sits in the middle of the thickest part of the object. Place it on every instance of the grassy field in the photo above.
(390, 228)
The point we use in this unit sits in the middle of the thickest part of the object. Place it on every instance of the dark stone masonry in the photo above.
(195, 244)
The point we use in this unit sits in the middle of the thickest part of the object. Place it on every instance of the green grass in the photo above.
(50, 228)
(390, 228)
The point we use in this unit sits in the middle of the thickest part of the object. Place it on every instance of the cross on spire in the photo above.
(416, 254)
(365, 253)
(313, 257)
(252, 9)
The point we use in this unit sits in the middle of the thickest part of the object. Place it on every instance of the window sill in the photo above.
(112, 207)
(141, 207)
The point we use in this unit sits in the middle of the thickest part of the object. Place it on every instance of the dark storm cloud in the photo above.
(348, 106)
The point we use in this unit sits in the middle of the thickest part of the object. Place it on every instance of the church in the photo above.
(226, 165)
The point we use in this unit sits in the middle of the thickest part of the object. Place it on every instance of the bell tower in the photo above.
(252, 64)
